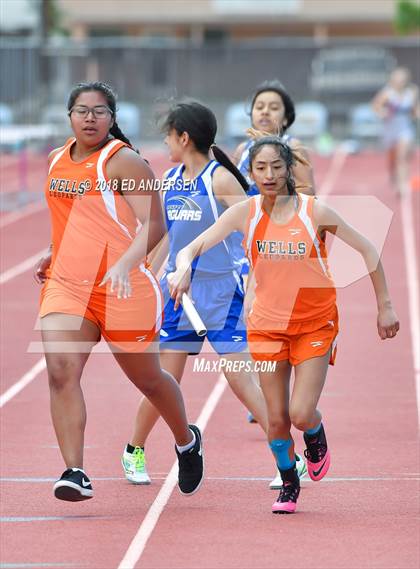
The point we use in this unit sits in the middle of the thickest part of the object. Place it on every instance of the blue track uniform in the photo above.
(217, 288)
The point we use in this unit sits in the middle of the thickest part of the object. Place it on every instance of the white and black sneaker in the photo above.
(73, 486)
(191, 465)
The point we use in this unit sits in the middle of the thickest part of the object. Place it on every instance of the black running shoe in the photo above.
(289, 492)
(191, 466)
(73, 486)
(317, 455)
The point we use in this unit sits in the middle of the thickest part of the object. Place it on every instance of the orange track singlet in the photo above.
(293, 282)
(92, 226)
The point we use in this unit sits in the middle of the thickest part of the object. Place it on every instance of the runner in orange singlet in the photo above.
(96, 282)
(292, 303)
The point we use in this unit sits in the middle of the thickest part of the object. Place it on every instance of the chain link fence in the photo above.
(339, 74)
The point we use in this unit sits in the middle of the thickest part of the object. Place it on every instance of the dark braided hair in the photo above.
(277, 87)
(201, 125)
(111, 99)
(285, 154)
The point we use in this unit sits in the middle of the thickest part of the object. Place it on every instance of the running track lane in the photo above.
(19, 296)
(368, 419)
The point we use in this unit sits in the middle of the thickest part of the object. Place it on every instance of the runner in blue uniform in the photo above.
(197, 191)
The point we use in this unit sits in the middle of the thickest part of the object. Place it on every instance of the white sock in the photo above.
(186, 447)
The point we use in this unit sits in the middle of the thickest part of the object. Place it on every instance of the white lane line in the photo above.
(21, 268)
(18, 215)
(413, 286)
(143, 534)
(23, 382)
(326, 479)
(12, 519)
(406, 477)
(337, 162)
(38, 565)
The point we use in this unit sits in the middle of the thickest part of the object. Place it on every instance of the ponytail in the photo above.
(118, 133)
(225, 161)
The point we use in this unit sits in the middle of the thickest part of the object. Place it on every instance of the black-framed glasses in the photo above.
(99, 112)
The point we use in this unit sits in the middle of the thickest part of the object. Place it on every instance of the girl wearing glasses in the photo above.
(97, 283)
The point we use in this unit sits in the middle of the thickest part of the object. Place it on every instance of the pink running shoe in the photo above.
(289, 492)
(317, 454)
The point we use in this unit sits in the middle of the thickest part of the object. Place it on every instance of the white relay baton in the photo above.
(193, 315)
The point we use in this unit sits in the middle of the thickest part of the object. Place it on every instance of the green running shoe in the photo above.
(277, 483)
(134, 465)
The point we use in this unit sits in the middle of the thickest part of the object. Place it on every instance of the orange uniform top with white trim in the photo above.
(92, 223)
(293, 281)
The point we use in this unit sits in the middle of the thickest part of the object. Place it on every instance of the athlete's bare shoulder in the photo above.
(127, 154)
(126, 160)
(238, 152)
(54, 153)
(222, 175)
(225, 184)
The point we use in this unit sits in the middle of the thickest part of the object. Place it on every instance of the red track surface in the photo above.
(362, 516)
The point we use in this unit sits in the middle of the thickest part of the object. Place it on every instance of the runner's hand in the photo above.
(120, 280)
(178, 283)
(388, 324)
(41, 267)
(256, 134)
(248, 302)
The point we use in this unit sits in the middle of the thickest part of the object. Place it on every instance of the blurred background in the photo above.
(332, 56)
